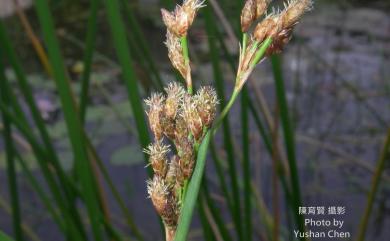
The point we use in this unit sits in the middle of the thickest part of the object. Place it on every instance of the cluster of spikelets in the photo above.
(181, 119)
(277, 26)
(178, 23)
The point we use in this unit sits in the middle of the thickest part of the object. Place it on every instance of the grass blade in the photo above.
(246, 165)
(90, 43)
(50, 157)
(141, 42)
(216, 214)
(4, 237)
(41, 193)
(10, 55)
(83, 167)
(123, 52)
(211, 29)
(374, 188)
(71, 229)
(193, 191)
(115, 192)
(10, 157)
(208, 234)
(221, 175)
(288, 139)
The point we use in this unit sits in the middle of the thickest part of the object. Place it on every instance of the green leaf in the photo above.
(193, 191)
(74, 127)
(4, 237)
(289, 140)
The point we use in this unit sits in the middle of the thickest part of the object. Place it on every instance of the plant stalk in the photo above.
(184, 45)
(374, 188)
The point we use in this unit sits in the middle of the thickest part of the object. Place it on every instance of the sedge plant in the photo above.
(185, 119)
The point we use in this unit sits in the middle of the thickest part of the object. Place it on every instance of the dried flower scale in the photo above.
(183, 118)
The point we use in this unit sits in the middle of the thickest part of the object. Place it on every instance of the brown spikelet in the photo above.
(261, 7)
(155, 107)
(173, 171)
(287, 19)
(168, 19)
(181, 129)
(279, 41)
(252, 10)
(175, 93)
(266, 28)
(168, 126)
(186, 158)
(158, 157)
(187, 168)
(206, 99)
(192, 118)
(175, 53)
(187, 14)
(248, 15)
(179, 21)
(294, 11)
(163, 200)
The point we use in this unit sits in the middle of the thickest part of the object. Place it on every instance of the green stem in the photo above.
(246, 165)
(72, 121)
(184, 45)
(289, 141)
(225, 111)
(88, 55)
(244, 41)
(374, 188)
(260, 53)
(194, 185)
(10, 157)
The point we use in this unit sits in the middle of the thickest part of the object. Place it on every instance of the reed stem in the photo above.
(374, 188)
(184, 45)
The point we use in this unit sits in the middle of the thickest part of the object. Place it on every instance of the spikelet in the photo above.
(174, 175)
(169, 19)
(252, 10)
(267, 28)
(294, 9)
(158, 157)
(261, 7)
(192, 118)
(186, 158)
(155, 104)
(248, 15)
(175, 53)
(279, 41)
(206, 103)
(180, 20)
(287, 20)
(163, 200)
(168, 127)
(175, 93)
(181, 129)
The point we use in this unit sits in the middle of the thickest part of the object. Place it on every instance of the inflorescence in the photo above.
(179, 120)
(276, 27)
